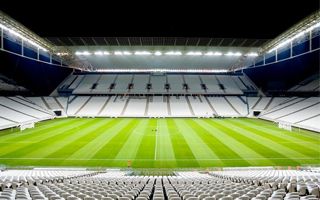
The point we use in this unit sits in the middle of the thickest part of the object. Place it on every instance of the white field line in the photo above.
(156, 146)
(137, 159)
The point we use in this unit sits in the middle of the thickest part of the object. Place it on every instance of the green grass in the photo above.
(178, 143)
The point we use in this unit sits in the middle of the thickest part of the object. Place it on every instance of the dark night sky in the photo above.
(237, 19)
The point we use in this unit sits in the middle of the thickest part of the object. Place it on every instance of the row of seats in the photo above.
(157, 84)
(225, 185)
(157, 106)
(18, 110)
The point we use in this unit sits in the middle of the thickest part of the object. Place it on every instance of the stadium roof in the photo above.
(154, 41)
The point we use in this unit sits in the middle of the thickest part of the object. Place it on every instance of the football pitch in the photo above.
(158, 143)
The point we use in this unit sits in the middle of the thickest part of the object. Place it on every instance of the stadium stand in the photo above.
(156, 84)
(18, 110)
(278, 81)
(157, 106)
(307, 85)
(239, 184)
(8, 86)
(136, 107)
(296, 111)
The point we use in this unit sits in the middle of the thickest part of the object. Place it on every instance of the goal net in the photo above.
(26, 125)
(284, 125)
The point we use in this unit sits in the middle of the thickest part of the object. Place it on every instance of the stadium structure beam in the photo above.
(301, 26)
(25, 34)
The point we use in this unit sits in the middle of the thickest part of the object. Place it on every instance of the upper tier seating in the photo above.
(310, 84)
(157, 84)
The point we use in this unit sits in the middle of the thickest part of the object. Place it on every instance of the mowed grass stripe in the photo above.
(19, 144)
(147, 146)
(262, 149)
(50, 141)
(113, 146)
(165, 153)
(277, 150)
(30, 135)
(61, 149)
(131, 146)
(76, 142)
(243, 150)
(278, 138)
(312, 141)
(11, 132)
(84, 136)
(92, 147)
(181, 149)
(220, 149)
(200, 149)
(276, 143)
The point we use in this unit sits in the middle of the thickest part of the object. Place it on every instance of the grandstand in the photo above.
(141, 118)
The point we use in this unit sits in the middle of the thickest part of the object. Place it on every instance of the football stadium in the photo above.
(163, 118)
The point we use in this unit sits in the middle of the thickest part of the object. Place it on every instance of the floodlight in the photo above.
(252, 54)
(158, 53)
(173, 53)
(142, 53)
(127, 53)
(194, 53)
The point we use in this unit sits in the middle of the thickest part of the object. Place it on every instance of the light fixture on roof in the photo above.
(83, 53)
(302, 32)
(173, 53)
(157, 53)
(252, 54)
(210, 53)
(98, 53)
(142, 53)
(127, 53)
(22, 37)
(118, 53)
(165, 70)
(233, 54)
(62, 53)
(106, 53)
(194, 53)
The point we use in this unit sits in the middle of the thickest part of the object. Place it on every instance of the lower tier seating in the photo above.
(114, 185)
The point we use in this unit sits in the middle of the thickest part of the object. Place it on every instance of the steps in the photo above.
(59, 104)
(190, 107)
(45, 103)
(125, 107)
(210, 105)
(168, 105)
(104, 105)
(256, 103)
(147, 107)
(269, 103)
(230, 104)
(85, 103)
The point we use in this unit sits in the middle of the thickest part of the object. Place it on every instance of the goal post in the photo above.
(26, 126)
(285, 125)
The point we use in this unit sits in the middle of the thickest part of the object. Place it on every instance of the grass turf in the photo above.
(177, 143)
